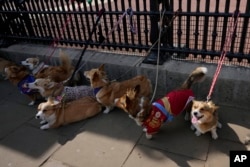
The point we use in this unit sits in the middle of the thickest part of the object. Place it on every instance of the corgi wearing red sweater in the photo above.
(152, 116)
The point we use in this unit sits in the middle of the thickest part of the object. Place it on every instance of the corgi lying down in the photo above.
(152, 116)
(106, 92)
(54, 114)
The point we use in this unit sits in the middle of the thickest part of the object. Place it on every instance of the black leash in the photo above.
(87, 43)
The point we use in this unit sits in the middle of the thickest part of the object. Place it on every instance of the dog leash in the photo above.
(87, 43)
(133, 29)
(226, 47)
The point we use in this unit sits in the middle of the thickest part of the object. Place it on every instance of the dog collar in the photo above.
(38, 68)
(96, 90)
(164, 111)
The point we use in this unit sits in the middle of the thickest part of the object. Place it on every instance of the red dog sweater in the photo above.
(159, 114)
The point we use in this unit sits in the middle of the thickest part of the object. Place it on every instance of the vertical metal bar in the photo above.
(179, 31)
(146, 29)
(104, 21)
(244, 28)
(188, 21)
(48, 26)
(63, 19)
(87, 22)
(75, 23)
(56, 22)
(138, 24)
(68, 21)
(206, 24)
(124, 21)
(196, 33)
(118, 26)
(214, 32)
(225, 24)
(37, 20)
(82, 29)
(234, 34)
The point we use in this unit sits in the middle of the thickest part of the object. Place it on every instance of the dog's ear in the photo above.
(36, 61)
(95, 77)
(101, 68)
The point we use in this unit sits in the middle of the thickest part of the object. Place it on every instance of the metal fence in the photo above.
(193, 30)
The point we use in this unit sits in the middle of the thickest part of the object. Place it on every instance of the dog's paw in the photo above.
(44, 127)
(106, 111)
(192, 127)
(219, 125)
(43, 122)
(31, 103)
(214, 136)
(197, 133)
(148, 136)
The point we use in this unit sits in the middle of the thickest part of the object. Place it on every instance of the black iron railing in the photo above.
(192, 29)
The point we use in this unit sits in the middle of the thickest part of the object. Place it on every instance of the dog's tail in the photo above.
(65, 62)
(197, 75)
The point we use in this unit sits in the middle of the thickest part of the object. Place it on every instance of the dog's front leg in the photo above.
(197, 133)
(108, 109)
(46, 126)
(214, 134)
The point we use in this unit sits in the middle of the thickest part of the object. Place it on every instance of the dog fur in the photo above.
(48, 88)
(151, 116)
(106, 92)
(56, 73)
(3, 64)
(54, 114)
(17, 75)
(205, 118)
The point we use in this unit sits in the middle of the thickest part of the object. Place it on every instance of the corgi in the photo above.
(56, 73)
(152, 116)
(34, 64)
(204, 118)
(48, 88)
(18, 76)
(54, 114)
(106, 92)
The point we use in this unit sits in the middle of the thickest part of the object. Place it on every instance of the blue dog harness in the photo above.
(164, 111)
(27, 79)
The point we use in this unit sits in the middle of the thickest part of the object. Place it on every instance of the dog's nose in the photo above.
(195, 113)
(37, 117)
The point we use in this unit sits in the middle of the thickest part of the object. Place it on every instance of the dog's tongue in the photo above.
(194, 120)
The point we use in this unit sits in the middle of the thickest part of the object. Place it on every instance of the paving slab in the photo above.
(105, 141)
(177, 137)
(219, 150)
(27, 147)
(149, 157)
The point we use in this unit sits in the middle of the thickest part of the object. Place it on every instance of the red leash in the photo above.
(223, 53)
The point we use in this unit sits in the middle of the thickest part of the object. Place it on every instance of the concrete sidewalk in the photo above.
(114, 140)
(111, 139)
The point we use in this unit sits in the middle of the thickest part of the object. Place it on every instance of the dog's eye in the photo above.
(202, 109)
(45, 110)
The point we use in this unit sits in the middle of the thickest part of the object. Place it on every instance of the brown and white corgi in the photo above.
(106, 92)
(205, 118)
(54, 114)
(18, 75)
(152, 116)
(55, 73)
(49, 88)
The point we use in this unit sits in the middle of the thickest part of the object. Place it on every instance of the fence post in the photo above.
(154, 31)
